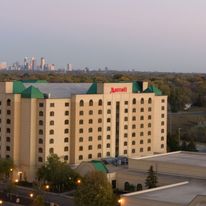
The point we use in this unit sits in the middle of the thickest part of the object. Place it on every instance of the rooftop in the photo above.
(183, 158)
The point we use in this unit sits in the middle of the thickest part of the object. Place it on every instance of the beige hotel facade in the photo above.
(79, 122)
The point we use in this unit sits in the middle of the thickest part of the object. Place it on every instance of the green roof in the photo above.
(32, 92)
(34, 81)
(153, 89)
(18, 87)
(92, 89)
(99, 166)
(136, 87)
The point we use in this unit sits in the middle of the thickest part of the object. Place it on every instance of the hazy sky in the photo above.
(155, 35)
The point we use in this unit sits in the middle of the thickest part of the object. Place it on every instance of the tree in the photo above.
(57, 174)
(95, 190)
(173, 143)
(151, 180)
(38, 201)
(5, 168)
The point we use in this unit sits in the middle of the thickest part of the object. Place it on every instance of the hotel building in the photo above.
(79, 122)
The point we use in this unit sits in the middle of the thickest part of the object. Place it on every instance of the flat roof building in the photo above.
(79, 122)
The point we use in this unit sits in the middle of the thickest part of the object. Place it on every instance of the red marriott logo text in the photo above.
(114, 90)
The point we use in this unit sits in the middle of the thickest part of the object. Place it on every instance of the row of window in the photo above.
(41, 104)
(51, 141)
(51, 131)
(41, 122)
(41, 113)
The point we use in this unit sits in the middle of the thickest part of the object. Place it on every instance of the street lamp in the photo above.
(78, 181)
(1, 202)
(31, 195)
(179, 130)
(47, 187)
(119, 201)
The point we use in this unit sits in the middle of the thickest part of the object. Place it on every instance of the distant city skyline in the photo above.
(160, 35)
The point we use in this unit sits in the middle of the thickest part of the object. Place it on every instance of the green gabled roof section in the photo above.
(32, 92)
(34, 81)
(99, 166)
(18, 87)
(153, 89)
(92, 89)
(136, 87)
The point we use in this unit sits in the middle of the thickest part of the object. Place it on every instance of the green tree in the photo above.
(151, 180)
(5, 168)
(173, 143)
(57, 174)
(38, 201)
(95, 190)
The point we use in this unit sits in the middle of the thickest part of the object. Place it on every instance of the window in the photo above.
(162, 123)
(134, 101)
(51, 114)
(133, 142)
(41, 113)
(108, 145)
(149, 141)
(81, 148)
(141, 134)
(163, 108)
(99, 129)
(81, 121)
(66, 131)
(41, 104)
(51, 122)
(162, 100)
(141, 141)
(134, 110)
(108, 128)
(40, 122)
(8, 139)
(125, 119)
(142, 110)
(162, 138)
(125, 152)
(41, 132)
(90, 130)
(99, 111)
(81, 139)
(51, 141)
(133, 150)
(133, 126)
(150, 101)
(149, 109)
(51, 104)
(66, 149)
(133, 134)
(142, 101)
(149, 133)
(80, 157)
(66, 139)
(141, 149)
(99, 146)
(40, 150)
(125, 135)
(125, 143)
(148, 149)
(125, 110)
(99, 155)
(81, 113)
(108, 137)
(141, 125)
(81, 103)
(40, 159)
(90, 121)
(126, 102)
(89, 156)
(133, 118)
(149, 117)
(8, 130)
(100, 102)
(141, 117)
(149, 125)
(108, 154)
(162, 130)
(99, 137)
(8, 121)
(162, 146)
(90, 112)
(90, 138)
(108, 103)
(80, 130)
(40, 141)
(51, 150)
(109, 111)
(108, 119)
(90, 103)
(90, 147)
(66, 104)
(66, 121)
(99, 120)
(51, 131)
(8, 102)
(125, 126)
(8, 112)
(66, 113)
(162, 115)
(66, 157)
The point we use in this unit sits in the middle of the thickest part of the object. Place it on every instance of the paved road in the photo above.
(187, 113)
(61, 200)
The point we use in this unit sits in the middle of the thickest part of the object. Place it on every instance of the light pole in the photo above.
(179, 130)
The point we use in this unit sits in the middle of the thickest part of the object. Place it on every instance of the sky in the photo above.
(146, 35)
